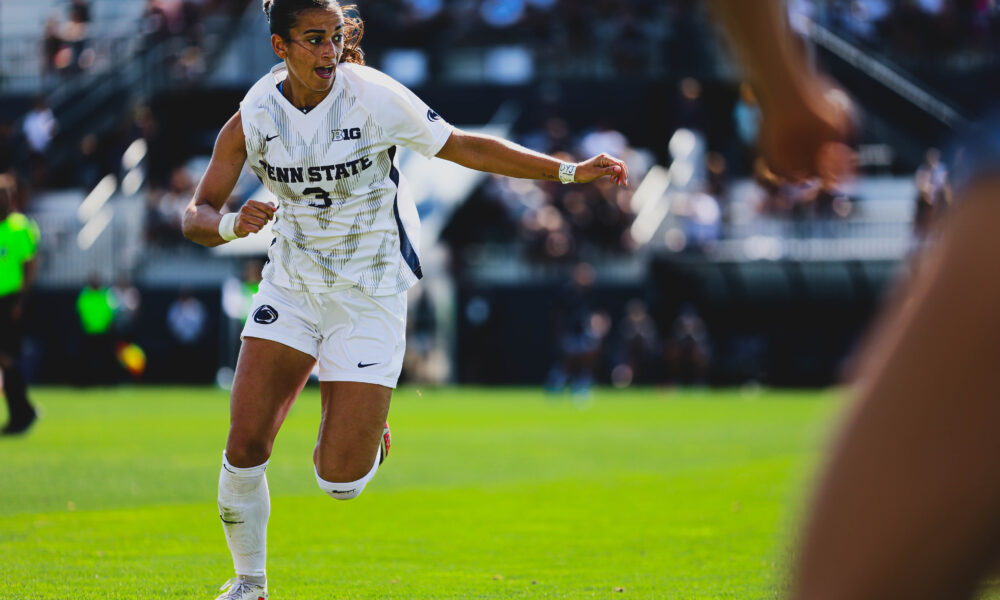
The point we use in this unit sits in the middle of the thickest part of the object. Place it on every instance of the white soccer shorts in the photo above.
(353, 336)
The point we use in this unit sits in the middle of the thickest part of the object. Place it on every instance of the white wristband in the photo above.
(567, 173)
(227, 227)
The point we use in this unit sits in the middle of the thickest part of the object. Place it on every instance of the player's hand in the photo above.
(602, 165)
(253, 216)
(807, 136)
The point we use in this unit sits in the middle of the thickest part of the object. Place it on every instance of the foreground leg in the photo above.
(909, 504)
(349, 449)
(269, 376)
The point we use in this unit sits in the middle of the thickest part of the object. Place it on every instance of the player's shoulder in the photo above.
(264, 86)
(365, 81)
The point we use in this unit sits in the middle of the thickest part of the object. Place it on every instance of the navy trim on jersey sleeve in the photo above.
(405, 247)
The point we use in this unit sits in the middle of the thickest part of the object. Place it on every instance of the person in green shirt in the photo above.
(96, 306)
(18, 246)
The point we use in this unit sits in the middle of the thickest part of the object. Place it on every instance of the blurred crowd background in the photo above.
(708, 270)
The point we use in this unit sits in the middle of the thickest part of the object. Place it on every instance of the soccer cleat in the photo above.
(238, 588)
(385, 444)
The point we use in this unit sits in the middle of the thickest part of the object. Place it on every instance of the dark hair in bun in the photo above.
(281, 16)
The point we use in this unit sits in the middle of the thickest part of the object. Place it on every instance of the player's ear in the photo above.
(279, 46)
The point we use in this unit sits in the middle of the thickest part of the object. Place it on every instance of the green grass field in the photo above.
(488, 493)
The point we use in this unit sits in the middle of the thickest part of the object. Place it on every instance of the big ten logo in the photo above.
(354, 133)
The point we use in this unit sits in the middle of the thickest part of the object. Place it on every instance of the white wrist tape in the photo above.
(227, 227)
(567, 173)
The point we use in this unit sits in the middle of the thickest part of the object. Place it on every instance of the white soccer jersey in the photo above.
(345, 218)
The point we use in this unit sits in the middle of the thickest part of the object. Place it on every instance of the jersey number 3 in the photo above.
(321, 194)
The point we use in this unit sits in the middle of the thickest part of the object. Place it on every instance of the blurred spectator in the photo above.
(688, 349)
(186, 324)
(690, 113)
(39, 128)
(639, 350)
(79, 11)
(717, 181)
(580, 330)
(7, 148)
(165, 208)
(88, 167)
(95, 307)
(933, 193)
(425, 360)
(52, 46)
(155, 25)
(628, 42)
(127, 302)
(746, 119)
(75, 33)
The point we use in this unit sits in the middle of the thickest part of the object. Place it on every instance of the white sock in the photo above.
(351, 489)
(244, 506)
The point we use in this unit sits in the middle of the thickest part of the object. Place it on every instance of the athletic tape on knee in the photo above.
(244, 507)
(349, 490)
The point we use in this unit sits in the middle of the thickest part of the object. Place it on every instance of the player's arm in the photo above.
(495, 155)
(909, 505)
(202, 216)
(30, 270)
(805, 118)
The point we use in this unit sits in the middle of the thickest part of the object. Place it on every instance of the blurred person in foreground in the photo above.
(322, 131)
(908, 505)
(18, 264)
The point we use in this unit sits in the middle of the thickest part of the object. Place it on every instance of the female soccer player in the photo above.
(321, 131)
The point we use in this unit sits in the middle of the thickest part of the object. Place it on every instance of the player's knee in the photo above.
(248, 452)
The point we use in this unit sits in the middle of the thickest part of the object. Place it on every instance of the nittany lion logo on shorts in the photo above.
(432, 116)
(265, 315)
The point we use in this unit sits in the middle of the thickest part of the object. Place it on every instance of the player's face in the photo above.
(315, 48)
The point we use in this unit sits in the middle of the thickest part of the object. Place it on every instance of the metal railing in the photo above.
(887, 74)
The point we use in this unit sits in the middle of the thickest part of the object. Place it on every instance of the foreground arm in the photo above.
(495, 155)
(805, 118)
(202, 216)
(909, 505)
